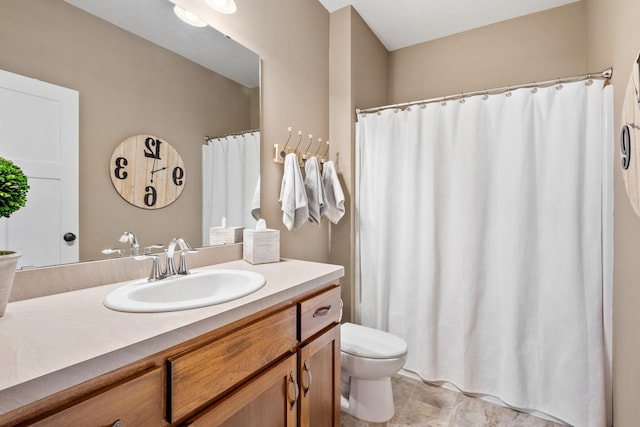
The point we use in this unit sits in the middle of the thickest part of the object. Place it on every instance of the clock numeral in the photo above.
(150, 197)
(119, 171)
(625, 147)
(152, 148)
(178, 174)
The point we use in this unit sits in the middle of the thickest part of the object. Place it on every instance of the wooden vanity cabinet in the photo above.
(276, 368)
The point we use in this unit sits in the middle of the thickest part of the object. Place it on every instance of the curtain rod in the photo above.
(207, 138)
(605, 75)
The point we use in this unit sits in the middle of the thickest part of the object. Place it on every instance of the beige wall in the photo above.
(127, 86)
(614, 40)
(540, 46)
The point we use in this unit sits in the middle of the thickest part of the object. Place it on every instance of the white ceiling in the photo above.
(155, 21)
(402, 23)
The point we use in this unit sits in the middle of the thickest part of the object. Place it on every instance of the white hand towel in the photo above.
(334, 194)
(255, 202)
(293, 197)
(315, 189)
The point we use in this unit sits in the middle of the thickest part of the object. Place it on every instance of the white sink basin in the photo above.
(198, 289)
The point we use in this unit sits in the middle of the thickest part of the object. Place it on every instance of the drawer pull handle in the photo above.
(296, 392)
(307, 372)
(117, 424)
(322, 311)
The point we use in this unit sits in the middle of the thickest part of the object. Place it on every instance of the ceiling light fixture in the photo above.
(188, 17)
(222, 6)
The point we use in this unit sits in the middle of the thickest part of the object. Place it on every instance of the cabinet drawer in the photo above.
(203, 374)
(135, 402)
(318, 312)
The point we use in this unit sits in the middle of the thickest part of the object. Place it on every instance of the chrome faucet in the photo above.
(185, 249)
(128, 236)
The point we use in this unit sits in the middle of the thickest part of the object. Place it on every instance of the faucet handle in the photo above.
(147, 249)
(182, 267)
(156, 271)
(171, 266)
(116, 251)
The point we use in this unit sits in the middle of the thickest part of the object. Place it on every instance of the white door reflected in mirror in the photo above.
(39, 133)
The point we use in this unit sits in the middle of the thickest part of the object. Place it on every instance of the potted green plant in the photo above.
(13, 196)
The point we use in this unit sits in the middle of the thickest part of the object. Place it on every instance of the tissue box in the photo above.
(261, 246)
(225, 235)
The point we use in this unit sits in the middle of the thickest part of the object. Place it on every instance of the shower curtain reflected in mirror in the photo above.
(483, 236)
(230, 181)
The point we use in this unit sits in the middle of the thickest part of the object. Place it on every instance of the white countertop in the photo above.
(51, 343)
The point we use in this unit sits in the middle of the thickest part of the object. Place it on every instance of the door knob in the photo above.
(69, 237)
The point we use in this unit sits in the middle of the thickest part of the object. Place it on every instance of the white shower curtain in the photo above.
(480, 235)
(230, 172)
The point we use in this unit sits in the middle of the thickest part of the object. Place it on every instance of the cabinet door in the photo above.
(269, 400)
(134, 402)
(319, 376)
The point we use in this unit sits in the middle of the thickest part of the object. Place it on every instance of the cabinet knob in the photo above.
(307, 374)
(296, 391)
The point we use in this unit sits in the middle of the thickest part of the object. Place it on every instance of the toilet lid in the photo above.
(371, 343)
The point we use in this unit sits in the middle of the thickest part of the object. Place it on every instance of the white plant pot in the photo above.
(7, 271)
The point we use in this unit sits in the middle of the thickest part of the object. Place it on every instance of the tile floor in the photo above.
(422, 405)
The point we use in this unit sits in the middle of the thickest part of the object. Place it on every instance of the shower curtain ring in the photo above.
(508, 91)
(444, 102)
(558, 85)
(589, 81)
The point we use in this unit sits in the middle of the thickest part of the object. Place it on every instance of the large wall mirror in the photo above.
(138, 69)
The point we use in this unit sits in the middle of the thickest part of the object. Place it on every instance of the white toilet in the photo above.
(370, 358)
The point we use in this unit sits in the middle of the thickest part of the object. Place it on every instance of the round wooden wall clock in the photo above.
(630, 136)
(147, 171)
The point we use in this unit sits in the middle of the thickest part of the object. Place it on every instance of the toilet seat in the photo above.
(362, 341)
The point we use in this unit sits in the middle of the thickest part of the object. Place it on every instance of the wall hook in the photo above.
(283, 153)
(306, 152)
(326, 152)
(319, 146)
(299, 139)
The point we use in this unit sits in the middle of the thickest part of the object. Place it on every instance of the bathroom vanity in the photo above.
(269, 358)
